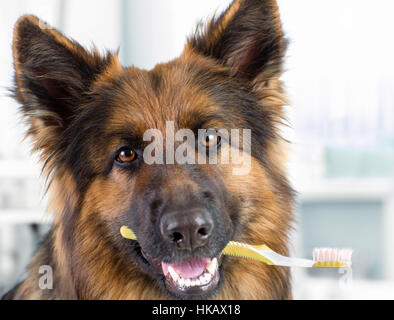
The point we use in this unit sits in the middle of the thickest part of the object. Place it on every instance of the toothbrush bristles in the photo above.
(327, 255)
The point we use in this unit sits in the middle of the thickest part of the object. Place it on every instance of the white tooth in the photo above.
(173, 273)
(208, 277)
(187, 282)
(198, 283)
(193, 283)
(212, 266)
(181, 281)
(202, 279)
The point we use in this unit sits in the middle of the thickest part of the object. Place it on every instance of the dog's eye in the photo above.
(210, 139)
(126, 155)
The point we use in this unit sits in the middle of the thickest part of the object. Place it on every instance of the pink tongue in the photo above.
(191, 268)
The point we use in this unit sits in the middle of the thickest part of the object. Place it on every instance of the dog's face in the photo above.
(89, 117)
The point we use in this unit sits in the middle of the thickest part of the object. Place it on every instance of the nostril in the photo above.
(176, 237)
(203, 232)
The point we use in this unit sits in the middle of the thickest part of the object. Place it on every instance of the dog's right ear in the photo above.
(52, 75)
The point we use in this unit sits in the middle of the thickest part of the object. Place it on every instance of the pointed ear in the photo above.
(52, 73)
(247, 38)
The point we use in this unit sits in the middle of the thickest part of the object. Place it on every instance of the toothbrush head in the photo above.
(332, 258)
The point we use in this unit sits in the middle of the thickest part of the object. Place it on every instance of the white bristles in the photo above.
(332, 255)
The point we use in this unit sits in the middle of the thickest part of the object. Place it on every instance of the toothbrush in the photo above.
(322, 257)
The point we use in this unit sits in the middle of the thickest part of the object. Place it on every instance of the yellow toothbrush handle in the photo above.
(127, 233)
(237, 249)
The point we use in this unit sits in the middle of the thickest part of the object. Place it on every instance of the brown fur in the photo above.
(84, 246)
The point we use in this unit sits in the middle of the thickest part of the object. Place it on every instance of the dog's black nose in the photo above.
(186, 229)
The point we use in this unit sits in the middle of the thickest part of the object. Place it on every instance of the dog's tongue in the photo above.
(191, 268)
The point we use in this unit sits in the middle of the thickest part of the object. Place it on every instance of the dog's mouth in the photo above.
(193, 278)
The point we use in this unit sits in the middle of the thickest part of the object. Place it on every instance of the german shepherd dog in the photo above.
(87, 116)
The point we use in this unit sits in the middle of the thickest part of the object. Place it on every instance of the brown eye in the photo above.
(210, 139)
(126, 155)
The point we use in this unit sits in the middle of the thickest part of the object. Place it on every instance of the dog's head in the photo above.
(109, 137)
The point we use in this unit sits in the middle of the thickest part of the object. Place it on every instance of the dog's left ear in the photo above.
(247, 38)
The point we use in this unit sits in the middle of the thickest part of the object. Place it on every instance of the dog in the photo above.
(87, 116)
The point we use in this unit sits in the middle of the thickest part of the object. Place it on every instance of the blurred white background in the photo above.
(340, 78)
